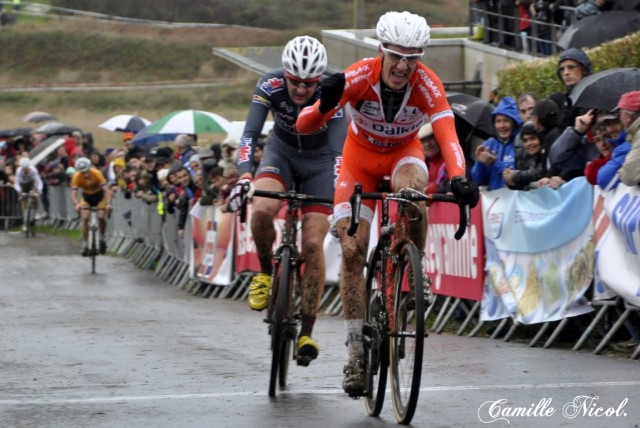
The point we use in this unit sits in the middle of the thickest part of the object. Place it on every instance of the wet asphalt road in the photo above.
(124, 349)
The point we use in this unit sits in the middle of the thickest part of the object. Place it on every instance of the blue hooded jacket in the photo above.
(491, 176)
(618, 155)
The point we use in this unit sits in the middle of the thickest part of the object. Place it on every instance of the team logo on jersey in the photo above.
(286, 107)
(272, 85)
(261, 100)
(244, 151)
(370, 108)
(269, 168)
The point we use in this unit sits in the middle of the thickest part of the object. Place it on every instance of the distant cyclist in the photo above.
(95, 192)
(288, 156)
(389, 97)
(28, 181)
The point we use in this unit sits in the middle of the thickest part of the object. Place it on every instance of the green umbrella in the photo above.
(189, 122)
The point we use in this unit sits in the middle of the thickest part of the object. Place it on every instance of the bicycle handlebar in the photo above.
(405, 196)
(290, 196)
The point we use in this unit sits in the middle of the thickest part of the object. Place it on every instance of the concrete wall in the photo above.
(454, 59)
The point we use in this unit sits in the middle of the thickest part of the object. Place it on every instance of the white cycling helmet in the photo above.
(83, 165)
(304, 57)
(403, 29)
(24, 163)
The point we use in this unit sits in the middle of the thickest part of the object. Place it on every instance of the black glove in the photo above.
(331, 91)
(465, 191)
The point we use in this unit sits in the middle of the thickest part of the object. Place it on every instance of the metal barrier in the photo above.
(136, 231)
(10, 213)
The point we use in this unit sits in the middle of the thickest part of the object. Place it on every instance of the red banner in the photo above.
(456, 268)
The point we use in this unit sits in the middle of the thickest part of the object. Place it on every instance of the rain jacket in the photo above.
(568, 111)
(608, 171)
(491, 176)
(630, 171)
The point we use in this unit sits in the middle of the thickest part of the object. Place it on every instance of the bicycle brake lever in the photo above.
(465, 216)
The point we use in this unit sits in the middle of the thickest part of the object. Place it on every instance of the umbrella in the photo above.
(603, 90)
(472, 112)
(600, 28)
(38, 116)
(143, 138)
(45, 148)
(15, 132)
(56, 128)
(125, 123)
(189, 122)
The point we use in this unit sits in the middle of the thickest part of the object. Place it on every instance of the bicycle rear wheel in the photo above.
(375, 338)
(407, 336)
(278, 328)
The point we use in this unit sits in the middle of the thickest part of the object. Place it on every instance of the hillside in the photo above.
(107, 62)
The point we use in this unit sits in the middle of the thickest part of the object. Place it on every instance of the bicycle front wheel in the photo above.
(93, 248)
(375, 338)
(278, 327)
(29, 228)
(407, 333)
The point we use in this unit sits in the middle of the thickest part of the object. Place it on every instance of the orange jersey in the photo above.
(425, 100)
(89, 185)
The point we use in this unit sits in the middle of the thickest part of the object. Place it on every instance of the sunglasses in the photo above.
(396, 56)
(299, 83)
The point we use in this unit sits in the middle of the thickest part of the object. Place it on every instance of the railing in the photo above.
(503, 30)
(10, 213)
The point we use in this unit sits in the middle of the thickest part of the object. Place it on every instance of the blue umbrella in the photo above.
(151, 139)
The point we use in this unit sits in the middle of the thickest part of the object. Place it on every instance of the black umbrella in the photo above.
(56, 128)
(597, 29)
(38, 116)
(473, 114)
(15, 132)
(603, 90)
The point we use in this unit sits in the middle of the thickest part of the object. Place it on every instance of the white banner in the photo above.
(539, 248)
(618, 245)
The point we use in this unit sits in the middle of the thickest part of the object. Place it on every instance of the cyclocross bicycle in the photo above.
(29, 214)
(93, 243)
(283, 310)
(398, 292)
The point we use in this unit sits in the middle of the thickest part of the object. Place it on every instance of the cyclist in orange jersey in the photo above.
(389, 97)
(89, 188)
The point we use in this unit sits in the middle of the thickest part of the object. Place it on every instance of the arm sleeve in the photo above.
(38, 180)
(608, 171)
(16, 183)
(444, 127)
(630, 170)
(524, 177)
(258, 111)
(310, 119)
(563, 150)
(337, 132)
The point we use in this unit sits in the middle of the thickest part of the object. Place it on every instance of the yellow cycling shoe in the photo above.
(259, 291)
(307, 350)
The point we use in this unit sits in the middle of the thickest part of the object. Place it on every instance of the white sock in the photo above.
(354, 337)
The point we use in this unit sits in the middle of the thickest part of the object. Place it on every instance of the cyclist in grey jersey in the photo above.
(27, 181)
(309, 160)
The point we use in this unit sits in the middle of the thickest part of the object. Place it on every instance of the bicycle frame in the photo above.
(29, 213)
(394, 312)
(93, 233)
(283, 309)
